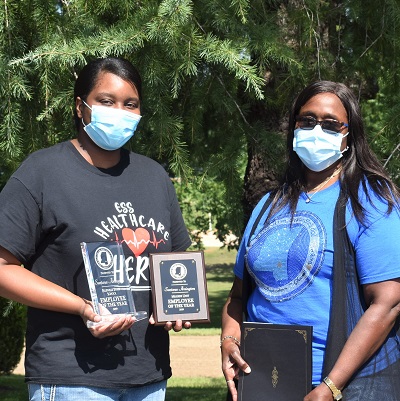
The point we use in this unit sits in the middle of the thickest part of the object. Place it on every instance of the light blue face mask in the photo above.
(317, 149)
(110, 128)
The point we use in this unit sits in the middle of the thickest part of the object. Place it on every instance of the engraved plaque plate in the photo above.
(179, 287)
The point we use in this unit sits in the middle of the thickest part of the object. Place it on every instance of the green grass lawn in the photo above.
(219, 264)
(193, 389)
(13, 388)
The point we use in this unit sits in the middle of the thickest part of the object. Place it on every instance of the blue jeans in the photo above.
(53, 392)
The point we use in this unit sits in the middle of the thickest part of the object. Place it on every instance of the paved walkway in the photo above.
(191, 356)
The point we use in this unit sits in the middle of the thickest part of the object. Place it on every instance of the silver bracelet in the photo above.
(231, 337)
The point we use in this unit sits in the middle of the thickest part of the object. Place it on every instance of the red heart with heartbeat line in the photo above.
(136, 240)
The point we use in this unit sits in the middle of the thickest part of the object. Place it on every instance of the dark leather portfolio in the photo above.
(280, 359)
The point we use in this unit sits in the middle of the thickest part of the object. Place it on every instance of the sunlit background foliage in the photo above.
(219, 77)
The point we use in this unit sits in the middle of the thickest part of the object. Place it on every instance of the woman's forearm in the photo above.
(371, 330)
(21, 285)
(231, 320)
(232, 311)
(366, 338)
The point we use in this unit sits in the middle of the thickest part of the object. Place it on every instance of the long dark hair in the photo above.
(359, 162)
(89, 74)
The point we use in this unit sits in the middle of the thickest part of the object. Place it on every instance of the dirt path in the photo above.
(194, 356)
(191, 356)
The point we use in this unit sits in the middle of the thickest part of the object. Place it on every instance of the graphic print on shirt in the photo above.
(139, 235)
(285, 256)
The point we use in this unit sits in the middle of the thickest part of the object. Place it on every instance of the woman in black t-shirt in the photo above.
(86, 190)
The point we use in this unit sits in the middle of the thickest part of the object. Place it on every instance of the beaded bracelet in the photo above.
(232, 337)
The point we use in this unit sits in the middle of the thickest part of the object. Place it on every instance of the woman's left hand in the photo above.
(112, 328)
(106, 325)
(177, 326)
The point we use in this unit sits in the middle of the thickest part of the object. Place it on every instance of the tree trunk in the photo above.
(262, 174)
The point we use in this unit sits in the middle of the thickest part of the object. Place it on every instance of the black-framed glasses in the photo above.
(328, 125)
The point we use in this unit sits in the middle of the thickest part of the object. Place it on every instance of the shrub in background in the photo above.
(12, 334)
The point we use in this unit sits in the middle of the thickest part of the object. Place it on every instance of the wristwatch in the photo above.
(337, 394)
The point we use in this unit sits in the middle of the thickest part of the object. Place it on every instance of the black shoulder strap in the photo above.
(247, 281)
(257, 220)
(343, 262)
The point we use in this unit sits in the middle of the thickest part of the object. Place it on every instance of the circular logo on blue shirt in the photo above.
(286, 255)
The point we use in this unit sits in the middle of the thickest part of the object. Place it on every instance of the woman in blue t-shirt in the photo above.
(302, 276)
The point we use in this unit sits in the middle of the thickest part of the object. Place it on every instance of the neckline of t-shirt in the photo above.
(325, 191)
(112, 171)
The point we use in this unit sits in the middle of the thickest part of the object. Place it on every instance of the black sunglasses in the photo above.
(328, 125)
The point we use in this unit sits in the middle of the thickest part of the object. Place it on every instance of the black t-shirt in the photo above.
(53, 202)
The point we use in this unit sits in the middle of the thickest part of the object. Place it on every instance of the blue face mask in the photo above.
(110, 128)
(317, 149)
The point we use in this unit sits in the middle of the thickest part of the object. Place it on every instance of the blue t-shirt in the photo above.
(291, 261)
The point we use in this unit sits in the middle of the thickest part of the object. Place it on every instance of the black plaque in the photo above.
(179, 287)
(280, 359)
